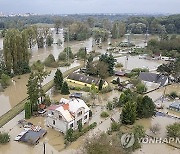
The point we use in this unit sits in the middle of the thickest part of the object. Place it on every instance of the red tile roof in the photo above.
(66, 106)
(53, 107)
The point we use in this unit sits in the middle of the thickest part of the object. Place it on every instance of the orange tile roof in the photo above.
(66, 106)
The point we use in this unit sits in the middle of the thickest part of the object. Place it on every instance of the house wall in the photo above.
(151, 85)
(166, 82)
(80, 83)
(86, 84)
(60, 124)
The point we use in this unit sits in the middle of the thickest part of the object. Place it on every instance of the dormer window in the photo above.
(60, 117)
(52, 113)
(80, 113)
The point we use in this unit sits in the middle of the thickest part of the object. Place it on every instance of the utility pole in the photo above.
(146, 36)
(67, 53)
(44, 147)
(164, 92)
(128, 37)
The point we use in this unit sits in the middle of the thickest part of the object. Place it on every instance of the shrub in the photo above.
(141, 88)
(80, 127)
(4, 138)
(104, 114)
(173, 95)
(109, 106)
(93, 125)
(115, 126)
(86, 89)
(5, 80)
(49, 61)
(63, 64)
(73, 136)
(173, 130)
(106, 90)
(118, 65)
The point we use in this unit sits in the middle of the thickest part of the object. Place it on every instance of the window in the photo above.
(85, 117)
(60, 117)
(52, 113)
(71, 125)
(80, 113)
(54, 122)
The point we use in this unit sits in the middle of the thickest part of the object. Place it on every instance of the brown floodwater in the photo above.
(135, 62)
(155, 95)
(54, 139)
(17, 91)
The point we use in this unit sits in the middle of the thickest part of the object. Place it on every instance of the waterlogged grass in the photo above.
(20, 106)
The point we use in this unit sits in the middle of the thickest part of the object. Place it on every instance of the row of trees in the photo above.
(167, 47)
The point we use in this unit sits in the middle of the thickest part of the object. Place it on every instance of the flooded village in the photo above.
(90, 92)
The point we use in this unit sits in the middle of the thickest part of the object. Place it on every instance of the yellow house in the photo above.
(85, 80)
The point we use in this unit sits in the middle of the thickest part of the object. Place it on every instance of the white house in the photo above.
(68, 114)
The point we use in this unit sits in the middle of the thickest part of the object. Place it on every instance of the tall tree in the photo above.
(34, 86)
(58, 79)
(110, 61)
(145, 107)
(128, 115)
(100, 86)
(65, 88)
(15, 50)
(33, 91)
(57, 24)
(118, 30)
(28, 110)
(102, 69)
(49, 40)
(31, 33)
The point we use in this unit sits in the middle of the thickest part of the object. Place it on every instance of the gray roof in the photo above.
(175, 105)
(152, 77)
(83, 78)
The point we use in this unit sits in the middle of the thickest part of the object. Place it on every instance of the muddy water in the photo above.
(158, 93)
(13, 94)
(156, 149)
(135, 62)
(54, 140)
(17, 91)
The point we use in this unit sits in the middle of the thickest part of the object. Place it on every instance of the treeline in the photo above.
(137, 24)
(167, 46)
